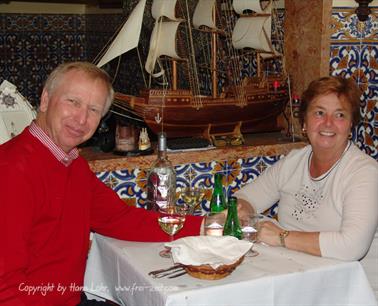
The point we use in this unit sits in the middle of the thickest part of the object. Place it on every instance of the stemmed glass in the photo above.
(250, 227)
(171, 219)
(192, 196)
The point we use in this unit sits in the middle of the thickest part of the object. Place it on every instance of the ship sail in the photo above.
(163, 37)
(242, 5)
(203, 14)
(162, 42)
(164, 8)
(252, 31)
(128, 36)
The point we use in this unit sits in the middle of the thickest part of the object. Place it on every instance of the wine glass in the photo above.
(250, 228)
(192, 196)
(171, 219)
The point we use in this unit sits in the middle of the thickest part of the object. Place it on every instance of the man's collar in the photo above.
(65, 158)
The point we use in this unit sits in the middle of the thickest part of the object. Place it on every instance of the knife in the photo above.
(163, 272)
(178, 274)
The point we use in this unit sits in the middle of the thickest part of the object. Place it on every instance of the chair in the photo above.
(15, 112)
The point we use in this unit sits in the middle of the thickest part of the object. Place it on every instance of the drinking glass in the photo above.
(192, 196)
(214, 224)
(171, 219)
(250, 228)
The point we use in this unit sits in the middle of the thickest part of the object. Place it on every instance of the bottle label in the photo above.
(158, 191)
(161, 204)
(163, 190)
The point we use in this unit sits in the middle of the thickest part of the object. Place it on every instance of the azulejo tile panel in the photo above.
(367, 131)
(31, 45)
(354, 53)
(131, 184)
(357, 61)
(250, 168)
(199, 175)
(347, 28)
(360, 63)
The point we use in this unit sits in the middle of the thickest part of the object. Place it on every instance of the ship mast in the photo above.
(174, 75)
(214, 76)
(205, 15)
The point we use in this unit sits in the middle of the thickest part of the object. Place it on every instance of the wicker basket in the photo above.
(207, 272)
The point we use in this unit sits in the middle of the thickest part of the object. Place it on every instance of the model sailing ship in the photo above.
(243, 105)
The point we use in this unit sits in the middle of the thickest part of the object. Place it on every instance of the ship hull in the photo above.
(180, 114)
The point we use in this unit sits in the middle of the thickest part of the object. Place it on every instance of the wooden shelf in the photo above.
(271, 144)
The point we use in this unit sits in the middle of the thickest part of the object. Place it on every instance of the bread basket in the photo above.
(209, 273)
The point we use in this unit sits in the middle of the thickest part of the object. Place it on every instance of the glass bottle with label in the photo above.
(218, 201)
(232, 225)
(161, 179)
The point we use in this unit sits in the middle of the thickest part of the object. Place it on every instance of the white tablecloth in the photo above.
(118, 271)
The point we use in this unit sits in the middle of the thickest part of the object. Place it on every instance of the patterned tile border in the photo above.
(131, 185)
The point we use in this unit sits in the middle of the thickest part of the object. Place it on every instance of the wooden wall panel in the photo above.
(307, 40)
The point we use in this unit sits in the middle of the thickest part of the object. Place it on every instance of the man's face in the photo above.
(73, 110)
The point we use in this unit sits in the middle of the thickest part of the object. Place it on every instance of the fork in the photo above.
(171, 272)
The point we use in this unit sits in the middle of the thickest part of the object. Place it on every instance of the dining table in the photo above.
(118, 271)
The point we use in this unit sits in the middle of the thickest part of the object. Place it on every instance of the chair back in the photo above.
(15, 112)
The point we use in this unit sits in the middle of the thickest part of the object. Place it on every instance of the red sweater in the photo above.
(46, 213)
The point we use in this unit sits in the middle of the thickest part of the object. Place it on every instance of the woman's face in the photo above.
(328, 122)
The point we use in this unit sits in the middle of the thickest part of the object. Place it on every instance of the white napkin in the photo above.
(212, 250)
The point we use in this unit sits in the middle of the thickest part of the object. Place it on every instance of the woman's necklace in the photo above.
(323, 176)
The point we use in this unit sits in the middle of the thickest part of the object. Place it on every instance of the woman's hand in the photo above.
(307, 242)
(269, 233)
(245, 209)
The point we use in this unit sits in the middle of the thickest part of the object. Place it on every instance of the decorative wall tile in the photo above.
(199, 174)
(354, 53)
(130, 184)
(31, 45)
(346, 28)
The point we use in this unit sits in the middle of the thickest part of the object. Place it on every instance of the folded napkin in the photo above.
(212, 250)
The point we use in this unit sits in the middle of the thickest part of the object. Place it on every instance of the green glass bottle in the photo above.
(232, 225)
(218, 201)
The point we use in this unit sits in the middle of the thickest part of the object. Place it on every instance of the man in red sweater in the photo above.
(50, 200)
